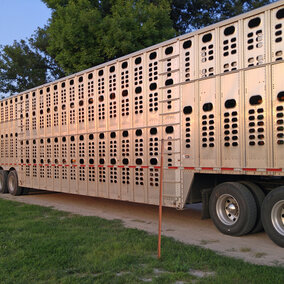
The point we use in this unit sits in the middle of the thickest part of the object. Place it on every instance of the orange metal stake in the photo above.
(161, 200)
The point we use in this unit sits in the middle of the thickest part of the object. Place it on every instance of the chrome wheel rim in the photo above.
(277, 217)
(227, 209)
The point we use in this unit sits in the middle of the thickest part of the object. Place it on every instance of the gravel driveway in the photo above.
(185, 226)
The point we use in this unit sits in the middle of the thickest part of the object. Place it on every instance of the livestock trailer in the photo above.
(214, 97)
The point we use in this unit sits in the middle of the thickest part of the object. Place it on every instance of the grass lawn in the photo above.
(42, 245)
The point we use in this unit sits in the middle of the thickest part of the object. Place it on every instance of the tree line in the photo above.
(84, 33)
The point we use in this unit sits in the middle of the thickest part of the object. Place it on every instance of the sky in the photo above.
(20, 18)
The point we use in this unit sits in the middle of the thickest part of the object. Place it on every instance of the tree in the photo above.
(26, 64)
(133, 25)
(84, 33)
(188, 15)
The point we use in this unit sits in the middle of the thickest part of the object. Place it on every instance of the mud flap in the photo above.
(205, 194)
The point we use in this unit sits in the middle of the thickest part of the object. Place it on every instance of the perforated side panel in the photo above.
(278, 115)
(257, 143)
(231, 131)
(254, 41)
(277, 32)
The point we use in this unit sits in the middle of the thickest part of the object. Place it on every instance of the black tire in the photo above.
(3, 182)
(272, 215)
(259, 196)
(232, 209)
(12, 183)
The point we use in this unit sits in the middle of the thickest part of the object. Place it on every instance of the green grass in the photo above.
(42, 245)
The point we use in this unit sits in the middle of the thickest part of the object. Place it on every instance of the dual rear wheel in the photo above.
(241, 208)
(9, 183)
(273, 215)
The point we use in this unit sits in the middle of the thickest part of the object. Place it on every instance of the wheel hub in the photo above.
(277, 217)
(227, 209)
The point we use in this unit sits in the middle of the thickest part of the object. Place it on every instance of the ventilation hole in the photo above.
(81, 138)
(152, 55)
(187, 44)
(125, 161)
(169, 82)
(113, 161)
(90, 76)
(81, 103)
(112, 135)
(112, 96)
(124, 65)
(80, 79)
(90, 101)
(230, 103)
(229, 30)
(72, 138)
(138, 60)
(207, 38)
(255, 100)
(187, 110)
(153, 86)
(112, 69)
(169, 50)
(102, 161)
(91, 136)
(139, 161)
(124, 93)
(102, 136)
(153, 131)
(81, 161)
(207, 107)
(169, 129)
(138, 90)
(101, 72)
(71, 82)
(101, 98)
(138, 132)
(280, 96)
(153, 161)
(255, 22)
(91, 161)
(280, 14)
(125, 133)
(63, 140)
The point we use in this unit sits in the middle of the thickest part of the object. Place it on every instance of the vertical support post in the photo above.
(161, 199)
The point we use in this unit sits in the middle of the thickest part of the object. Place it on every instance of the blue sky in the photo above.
(20, 18)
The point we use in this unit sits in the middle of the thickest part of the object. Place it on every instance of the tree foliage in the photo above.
(26, 64)
(84, 33)
(188, 15)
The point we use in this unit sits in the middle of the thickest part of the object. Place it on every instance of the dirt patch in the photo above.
(185, 226)
(200, 273)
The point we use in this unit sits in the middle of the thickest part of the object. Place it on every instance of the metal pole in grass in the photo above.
(161, 199)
